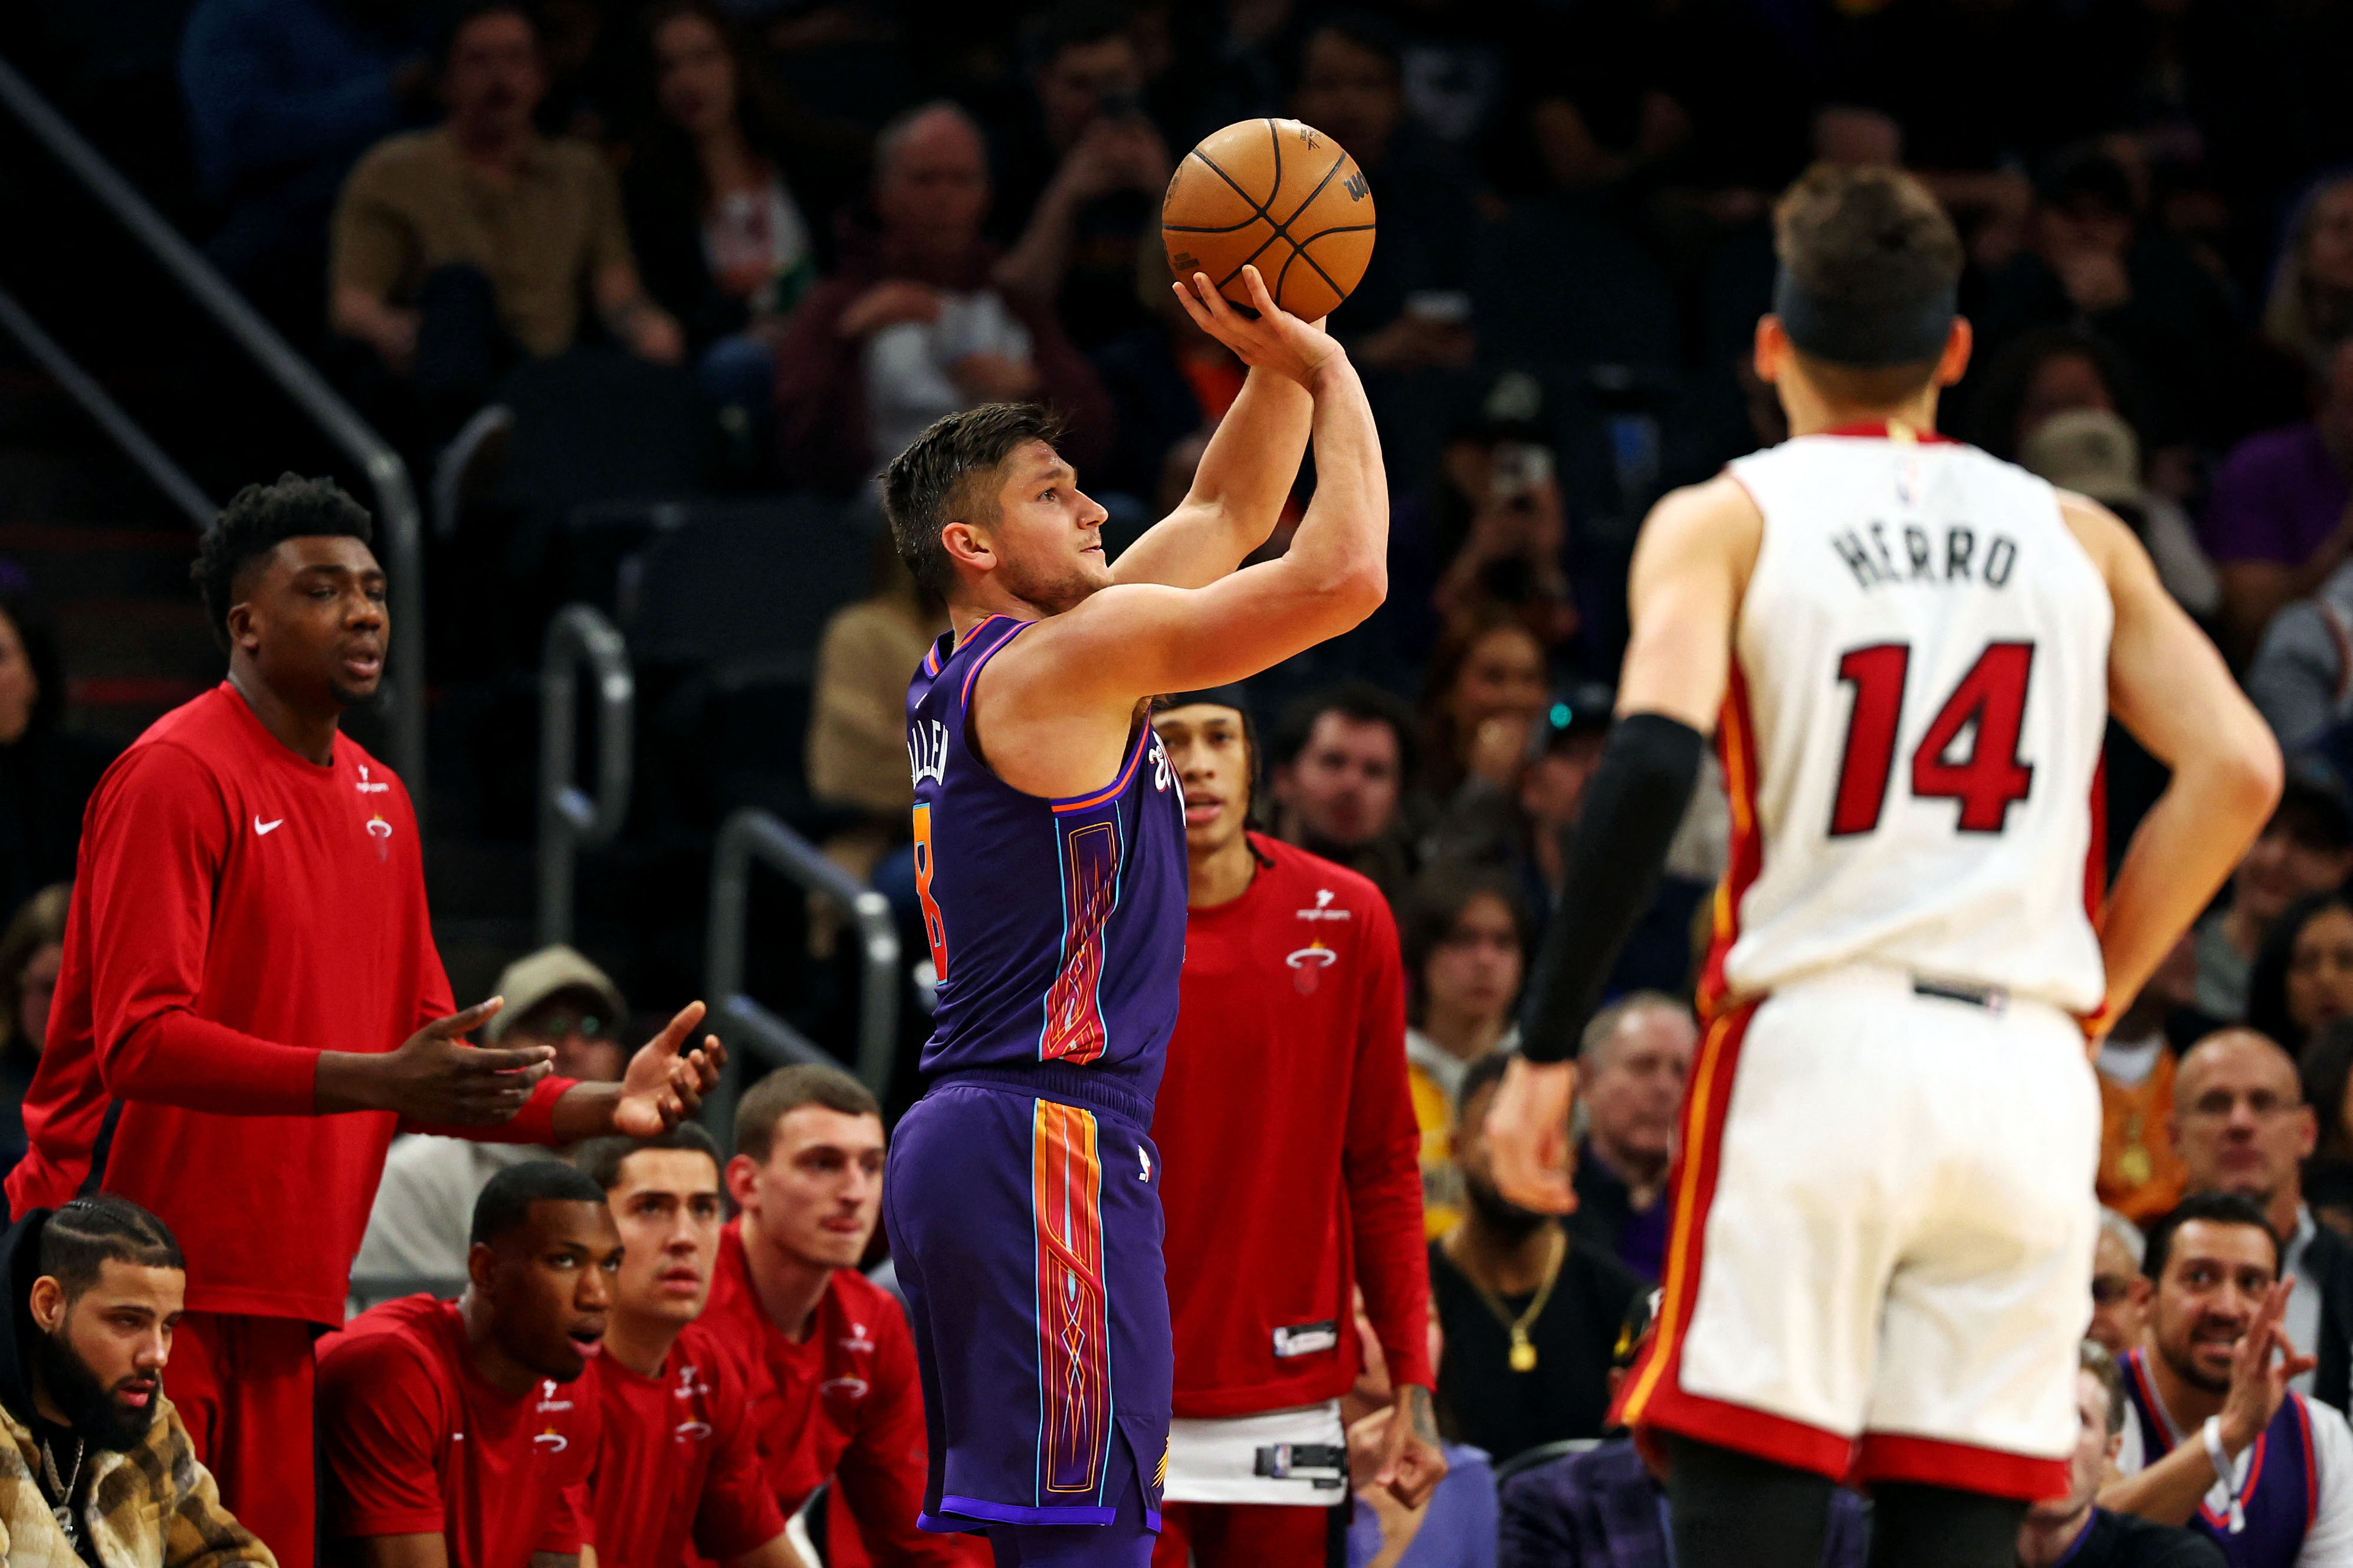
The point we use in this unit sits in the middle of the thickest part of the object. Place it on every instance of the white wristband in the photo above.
(2219, 1458)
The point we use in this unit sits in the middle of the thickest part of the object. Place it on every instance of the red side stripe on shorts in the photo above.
(1073, 1335)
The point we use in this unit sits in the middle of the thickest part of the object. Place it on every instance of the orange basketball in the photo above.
(1280, 195)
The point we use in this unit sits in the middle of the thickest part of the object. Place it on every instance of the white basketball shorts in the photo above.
(1881, 1262)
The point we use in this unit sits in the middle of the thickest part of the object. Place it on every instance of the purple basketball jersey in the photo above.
(2282, 1485)
(1057, 927)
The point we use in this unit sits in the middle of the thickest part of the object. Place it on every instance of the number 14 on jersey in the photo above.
(1990, 701)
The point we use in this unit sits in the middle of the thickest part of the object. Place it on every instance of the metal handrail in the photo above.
(396, 498)
(571, 819)
(752, 835)
(82, 387)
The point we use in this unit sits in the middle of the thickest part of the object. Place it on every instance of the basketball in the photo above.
(1278, 194)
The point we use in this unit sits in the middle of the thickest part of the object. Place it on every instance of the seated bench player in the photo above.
(678, 1457)
(457, 1434)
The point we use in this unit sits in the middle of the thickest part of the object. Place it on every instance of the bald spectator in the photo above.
(2120, 1291)
(2242, 1124)
(2306, 847)
(457, 250)
(913, 328)
(1635, 1057)
(1340, 762)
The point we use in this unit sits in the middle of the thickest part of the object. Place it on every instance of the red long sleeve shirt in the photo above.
(1288, 1132)
(416, 1443)
(677, 1460)
(237, 908)
(843, 1405)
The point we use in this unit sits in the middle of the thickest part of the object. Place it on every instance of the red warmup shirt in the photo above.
(236, 909)
(678, 1459)
(1288, 1132)
(416, 1443)
(843, 1405)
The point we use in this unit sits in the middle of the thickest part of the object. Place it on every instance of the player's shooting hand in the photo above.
(1276, 341)
(2261, 1367)
(1412, 1461)
(436, 1076)
(666, 1082)
(1528, 1135)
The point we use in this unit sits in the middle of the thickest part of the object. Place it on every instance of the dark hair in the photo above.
(1436, 901)
(1073, 24)
(257, 521)
(2267, 980)
(1360, 30)
(786, 1091)
(929, 483)
(1357, 700)
(39, 921)
(601, 1159)
(1480, 1077)
(2315, 816)
(2212, 1208)
(505, 1204)
(2326, 1068)
(457, 18)
(86, 1234)
(1869, 249)
(2000, 395)
(664, 153)
(41, 656)
(1442, 766)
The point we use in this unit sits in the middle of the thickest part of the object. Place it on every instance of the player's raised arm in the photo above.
(2169, 685)
(1690, 566)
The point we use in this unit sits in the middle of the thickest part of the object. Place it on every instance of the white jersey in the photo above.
(1918, 703)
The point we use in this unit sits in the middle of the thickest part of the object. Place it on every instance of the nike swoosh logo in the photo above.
(261, 826)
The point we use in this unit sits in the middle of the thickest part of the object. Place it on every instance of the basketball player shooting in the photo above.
(1023, 1192)
(1884, 1218)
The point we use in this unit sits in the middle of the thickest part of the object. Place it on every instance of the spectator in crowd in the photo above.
(425, 1206)
(1465, 935)
(457, 250)
(1632, 1062)
(2305, 848)
(1286, 1073)
(99, 1468)
(1169, 383)
(2300, 678)
(47, 773)
(2120, 1291)
(1411, 309)
(913, 328)
(2211, 1379)
(1486, 690)
(1339, 765)
(2310, 307)
(1529, 1315)
(2044, 373)
(857, 711)
(2303, 977)
(2073, 1529)
(1454, 1527)
(32, 950)
(2327, 1069)
(1083, 173)
(435, 1417)
(1501, 528)
(2279, 520)
(1607, 1507)
(2093, 452)
(678, 1459)
(726, 245)
(2140, 1174)
(2243, 1127)
(787, 1299)
(1515, 815)
(282, 97)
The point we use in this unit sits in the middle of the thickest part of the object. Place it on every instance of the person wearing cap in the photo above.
(1605, 1507)
(2093, 452)
(417, 1231)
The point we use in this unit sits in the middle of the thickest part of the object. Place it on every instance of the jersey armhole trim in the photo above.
(1135, 755)
(963, 699)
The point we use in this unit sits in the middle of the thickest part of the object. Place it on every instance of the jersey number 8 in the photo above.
(1991, 700)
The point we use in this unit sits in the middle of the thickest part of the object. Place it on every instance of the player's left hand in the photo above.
(1412, 1463)
(666, 1082)
(1528, 1135)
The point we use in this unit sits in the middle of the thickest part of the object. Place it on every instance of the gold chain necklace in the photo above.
(1524, 1351)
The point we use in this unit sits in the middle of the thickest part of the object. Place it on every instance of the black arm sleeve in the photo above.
(1631, 810)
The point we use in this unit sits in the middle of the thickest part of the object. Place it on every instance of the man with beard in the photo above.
(2072, 1529)
(1531, 1316)
(1338, 766)
(678, 1462)
(251, 939)
(1286, 1118)
(451, 1437)
(2216, 1439)
(100, 1465)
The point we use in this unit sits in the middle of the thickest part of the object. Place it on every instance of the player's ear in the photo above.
(967, 546)
(1772, 350)
(742, 1176)
(1955, 361)
(48, 1303)
(481, 1264)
